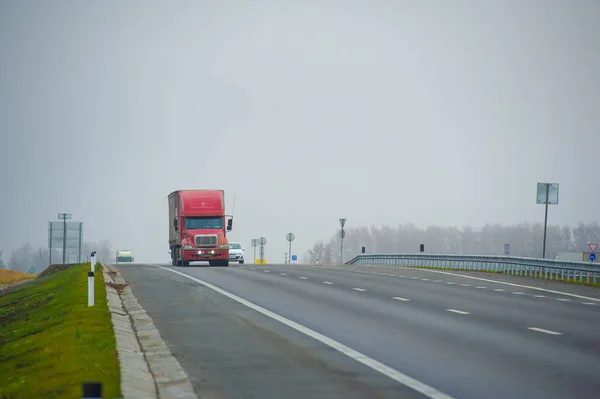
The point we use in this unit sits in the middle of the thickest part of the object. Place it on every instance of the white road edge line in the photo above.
(457, 311)
(588, 303)
(401, 299)
(282, 274)
(394, 374)
(513, 284)
(544, 331)
(327, 282)
(358, 289)
(304, 278)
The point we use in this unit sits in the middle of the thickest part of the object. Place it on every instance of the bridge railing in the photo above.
(584, 272)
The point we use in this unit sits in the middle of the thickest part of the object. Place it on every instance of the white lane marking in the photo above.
(466, 285)
(457, 311)
(253, 268)
(402, 276)
(498, 289)
(564, 300)
(515, 285)
(401, 299)
(282, 274)
(304, 278)
(425, 279)
(392, 373)
(267, 271)
(358, 289)
(327, 282)
(540, 296)
(484, 288)
(414, 278)
(437, 281)
(544, 331)
(450, 282)
(588, 303)
(518, 293)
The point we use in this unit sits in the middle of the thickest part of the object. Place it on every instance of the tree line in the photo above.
(26, 258)
(526, 240)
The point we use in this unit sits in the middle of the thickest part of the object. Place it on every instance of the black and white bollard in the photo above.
(92, 390)
(93, 261)
(91, 289)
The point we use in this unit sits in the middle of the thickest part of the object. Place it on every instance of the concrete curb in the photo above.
(148, 368)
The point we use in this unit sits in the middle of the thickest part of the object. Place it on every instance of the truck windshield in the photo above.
(204, 222)
(124, 259)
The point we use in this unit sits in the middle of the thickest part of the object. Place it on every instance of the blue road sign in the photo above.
(294, 257)
(592, 257)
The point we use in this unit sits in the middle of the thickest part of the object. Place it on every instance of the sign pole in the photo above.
(546, 221)
(342, 235)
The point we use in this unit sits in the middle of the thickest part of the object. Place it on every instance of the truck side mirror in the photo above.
(229, 224)
(175, 224)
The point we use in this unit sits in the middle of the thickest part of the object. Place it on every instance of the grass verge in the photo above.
(51, 341)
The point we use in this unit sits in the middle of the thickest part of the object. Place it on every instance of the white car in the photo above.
(236, 252)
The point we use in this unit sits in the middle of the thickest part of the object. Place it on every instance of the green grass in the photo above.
(51, 341)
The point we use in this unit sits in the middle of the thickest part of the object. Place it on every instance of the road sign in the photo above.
(547, 193)
(262, 241)
(343, 234)
(64, 216)
(290, 237)
(592, 257)
(506, 249)
(342, 222)
(294, 257)
(593, 247)
(254, 243)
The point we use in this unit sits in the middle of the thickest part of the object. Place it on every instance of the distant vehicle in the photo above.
(236, 252)
(197, 228)
(124, 256)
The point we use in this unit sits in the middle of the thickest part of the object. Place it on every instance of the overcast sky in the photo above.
(384, 112)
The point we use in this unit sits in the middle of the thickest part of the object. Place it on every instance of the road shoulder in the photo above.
(148, 368)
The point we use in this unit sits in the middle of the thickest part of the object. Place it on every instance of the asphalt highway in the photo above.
(288, 331)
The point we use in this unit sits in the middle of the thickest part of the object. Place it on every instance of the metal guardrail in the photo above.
(533, 267)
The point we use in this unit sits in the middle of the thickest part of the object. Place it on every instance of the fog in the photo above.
(385, 113)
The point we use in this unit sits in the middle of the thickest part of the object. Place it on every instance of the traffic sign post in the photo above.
(290, 237)
(294, 258)
(547, 193)
(342, 236)
(254, 244)
(262, 241)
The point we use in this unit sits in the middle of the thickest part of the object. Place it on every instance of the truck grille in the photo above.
(206, 240)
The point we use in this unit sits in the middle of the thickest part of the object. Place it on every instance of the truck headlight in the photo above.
(188, 246)
(225, 245)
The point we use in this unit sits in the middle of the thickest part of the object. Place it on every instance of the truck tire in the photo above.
(178, 260)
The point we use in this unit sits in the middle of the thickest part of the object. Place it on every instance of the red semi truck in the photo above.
(198, 227)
